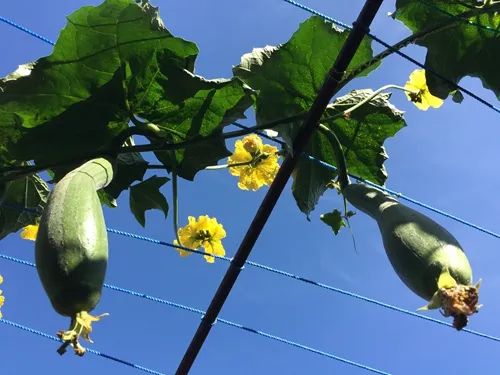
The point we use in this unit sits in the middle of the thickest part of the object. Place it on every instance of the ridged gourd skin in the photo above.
(418, 248)
(71, 249)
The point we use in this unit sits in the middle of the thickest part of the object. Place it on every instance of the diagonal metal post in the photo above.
(329, 88)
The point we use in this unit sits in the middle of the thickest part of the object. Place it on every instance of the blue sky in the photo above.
(447, 158)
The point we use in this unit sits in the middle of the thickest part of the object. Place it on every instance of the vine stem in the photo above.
(224, 166)
(15, 172)
(175, 202)
(332, 137)
(452, 22)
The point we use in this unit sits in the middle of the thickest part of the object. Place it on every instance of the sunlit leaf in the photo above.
(464, 49)
(145, 196)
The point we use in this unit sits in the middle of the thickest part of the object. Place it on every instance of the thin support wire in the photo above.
(334, 21)
(27, 31)
(278, 272)
(396, 51)
(387, 190)
(400, 195)
(328, 89)
(201, 313)
(464, 20)
(92, 351)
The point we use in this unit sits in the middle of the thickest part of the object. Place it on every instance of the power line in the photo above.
(328, 89)
(26, 30)
(396, 51)
(92, 351)
(400, 195)
(278, 272)
(343, 25)
(387, 190)
(221, 320)
(311, 282)
(464, 20)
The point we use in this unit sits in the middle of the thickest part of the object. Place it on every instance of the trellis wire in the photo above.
(387, 190)
(338, 23)
(403, 55)
(311, 282)
(400, 195)
(464, 20)
(278, 272)
(92, 351)
(202, 313)
(466, 91)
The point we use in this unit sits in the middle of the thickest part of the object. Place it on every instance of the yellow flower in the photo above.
(2, 298)
(81, 326)
(262, 163)
(420, 94)
(205, 232)
(29, 232)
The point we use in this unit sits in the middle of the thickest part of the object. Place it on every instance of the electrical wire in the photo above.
(396, 51)
(387, 190)
(92, 351)
(278, 272)
(199, 312)
(397, 194)
(464, 20)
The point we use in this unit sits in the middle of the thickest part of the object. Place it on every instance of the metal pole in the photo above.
(329, 88)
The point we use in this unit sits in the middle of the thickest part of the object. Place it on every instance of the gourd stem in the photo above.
(339, 155)
(175, 201)
(395, 48)
(142, 124)
(14, 172)
(332, 137)
(99, 169)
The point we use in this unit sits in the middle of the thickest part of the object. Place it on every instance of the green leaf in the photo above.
(186, 106)
(107, 199)
(129, 168)
(29, 192)
(461, 50)
(288, 78)
(363, 133)
(43, 117)
(310, 178)
(147, 196)
(334, 220)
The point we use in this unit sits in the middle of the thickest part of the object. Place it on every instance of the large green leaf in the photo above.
(186, 106)
(288, 78)
(61, 105)
(22, 204)
(145, 196)
(361, 135)
(461, 50)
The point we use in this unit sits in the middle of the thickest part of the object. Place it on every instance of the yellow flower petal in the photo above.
(263, 163)
(420, 94)
(203, 232)
(446, 281)
(182, 252)
(213, 248)
(29, 232)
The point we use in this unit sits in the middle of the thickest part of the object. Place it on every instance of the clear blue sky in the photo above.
(447, 158)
